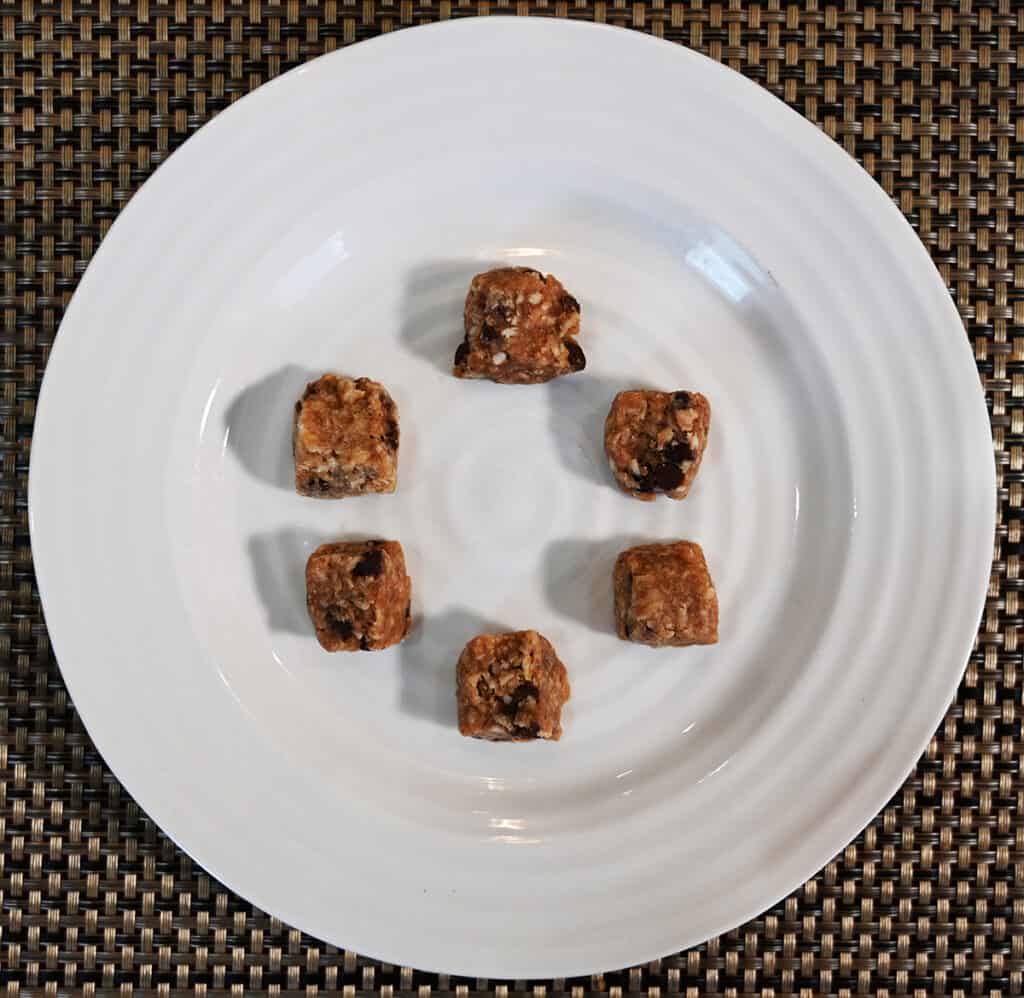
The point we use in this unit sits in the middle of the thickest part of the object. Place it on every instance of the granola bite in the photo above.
(346, 438)
(664, 596)
(655, 441)
(511, 687)
(358, 595)
(520, 328)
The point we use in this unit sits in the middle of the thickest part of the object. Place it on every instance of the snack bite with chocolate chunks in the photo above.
(655, 441)
(521, 329)
(346, 438)
(358, 595)
(511, 687)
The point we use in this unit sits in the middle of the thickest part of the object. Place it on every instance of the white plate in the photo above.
(717, 241)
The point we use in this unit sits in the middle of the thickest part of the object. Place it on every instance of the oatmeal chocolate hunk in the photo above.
(511, 687)
(655, 440)
(358, 595)
(520, 328)
(346, 438)
(665, 596)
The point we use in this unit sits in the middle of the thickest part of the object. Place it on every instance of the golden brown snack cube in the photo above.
(664, 596)
(346, 438)
(358, 595)
(511, 687)
(655, 441)
(521, 328)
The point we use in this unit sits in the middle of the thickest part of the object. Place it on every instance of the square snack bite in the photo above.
(655, 441)
(511, 687)
(358, 595)
(520, 328)
(346, 438)
(664, 596)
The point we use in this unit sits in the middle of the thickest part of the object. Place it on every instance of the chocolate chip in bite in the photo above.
(526, 730)
(340, 626)
(522, 693)
(569, 304)
(461, 354)
(577, 358)
(668, 476)
(369, 565)
(490, 335)
(681, 400)
(364, 643)
(678, 451)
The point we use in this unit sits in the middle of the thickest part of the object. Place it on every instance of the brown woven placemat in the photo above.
(927, 96)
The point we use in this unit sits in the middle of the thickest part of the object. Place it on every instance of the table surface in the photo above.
(94, 95)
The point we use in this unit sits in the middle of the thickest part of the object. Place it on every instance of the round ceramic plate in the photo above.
(716, 241)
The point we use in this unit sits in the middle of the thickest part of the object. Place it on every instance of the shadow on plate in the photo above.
(278, 560)
(428, 657)
(577, 407)
(578, 579)
(432, 307)
(259, 422)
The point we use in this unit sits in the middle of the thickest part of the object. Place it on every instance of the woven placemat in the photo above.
(927, 96)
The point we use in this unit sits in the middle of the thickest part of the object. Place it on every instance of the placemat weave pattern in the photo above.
(926, 95)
